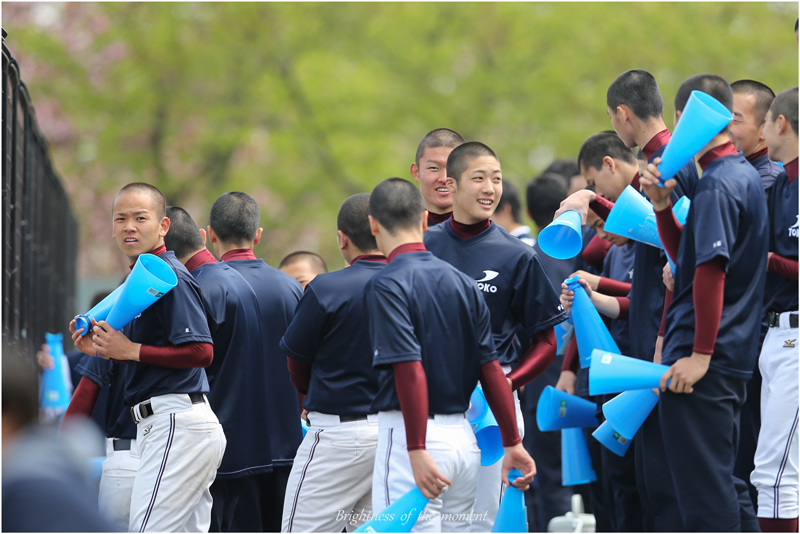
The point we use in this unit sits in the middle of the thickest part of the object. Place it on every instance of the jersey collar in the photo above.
(201, 258)
(660, 139)
(791, 170)
(158, 251)
(239, 254)
(380, 258)
(404, 249)
(725, 149)
(755, 155)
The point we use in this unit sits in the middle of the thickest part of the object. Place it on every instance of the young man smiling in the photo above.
(510, 278)
(429, 171)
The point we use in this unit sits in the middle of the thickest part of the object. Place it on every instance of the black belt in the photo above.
(349, 418)
(774, 319)
(122, 444)
(146, 408)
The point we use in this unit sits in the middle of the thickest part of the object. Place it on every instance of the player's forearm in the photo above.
(83, 400)
(784, 267)
(571, 360)
(183, 356)
(708, 294)
(412, 392)
(299, 375)
(533, 363)
(498, 396)
(669, 231)
(608, 306)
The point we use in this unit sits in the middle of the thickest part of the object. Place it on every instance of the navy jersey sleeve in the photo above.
(716, 217)
(390, 327)
(302, 339)
(96, 369)
(483, 331)
(535, 304)
(183, 315)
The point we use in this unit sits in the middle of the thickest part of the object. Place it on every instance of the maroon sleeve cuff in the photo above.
(613, 288)
(571, 360)
(83, 400)
(595, 252)
(299, 376)
(667, 302)
(533, 363)
(669, 230)
(624, 308)
(601, 207)
(183, 356)
(708, 294)
(498, 396)
(784, 267)
(412, 391)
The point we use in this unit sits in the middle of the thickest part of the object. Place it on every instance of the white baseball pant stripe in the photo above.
(776, 460)
(330, 486)
(116, 483)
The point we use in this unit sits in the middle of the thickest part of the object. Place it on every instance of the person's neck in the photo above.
(223, 248)
(719, 139)
(158, 250)
(197, 258)
(649, 130)
(758, 148)
(786, 153)
(369, 255)
(402, 237)
(437, 210)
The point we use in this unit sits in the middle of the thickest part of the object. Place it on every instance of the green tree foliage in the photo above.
(304, 104)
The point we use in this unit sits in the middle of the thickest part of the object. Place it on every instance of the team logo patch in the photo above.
(155, 292)
(147, 430)
(789, 343)
(794, 229)
(488, 288)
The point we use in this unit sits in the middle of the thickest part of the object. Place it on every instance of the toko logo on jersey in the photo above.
(793, 229)
(488, 288)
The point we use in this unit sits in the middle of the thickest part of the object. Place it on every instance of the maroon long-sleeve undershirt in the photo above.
(708, 293)
(595, 252)
(613, 288)
(299, 375)
(669, 230)
(571, 359)
(412, 392)
(601, 206)
(533, 363)
(183, 356)
(499, 398)
(784, 267)
(83, 401)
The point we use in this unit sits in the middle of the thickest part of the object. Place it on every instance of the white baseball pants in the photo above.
(116, 483)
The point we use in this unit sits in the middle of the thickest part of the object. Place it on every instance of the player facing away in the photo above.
(237, 376)
(511, 279)
(776, 461)
(429, 171)
(303, 266)
(711, 340)
(167, 346)
(330, 360)
(432, 341)
(233, 229)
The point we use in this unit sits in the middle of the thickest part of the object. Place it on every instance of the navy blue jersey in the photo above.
(420, 308)
(74, 358)
(510, 277)
(177, 317)
(238, 374)
(278, 295)
(768, 169)
(781, 293)
(328, 331)
(648, 289)
(111, 377)
(727, 219)
(618, 266)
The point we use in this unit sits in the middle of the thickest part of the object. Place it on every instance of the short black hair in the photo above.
(396, 204)
(763, 95)
(235, 217)
(544, 195)
(353, 221)
(711, 84)
(157, 197)
(600, 145)
(510, 196)
(566, 168)
(315, 260)
(638, 90)
(786, 104)
(461, 156)
(183, 237)
(436, 138)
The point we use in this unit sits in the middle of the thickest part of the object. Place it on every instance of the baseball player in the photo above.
(179, 438)
(431, 339)
(511, 279)
(329, 356)
(236, 378)
(711, 339)
(429, 171)
(776, 460)
(234, 231)
(303, 266)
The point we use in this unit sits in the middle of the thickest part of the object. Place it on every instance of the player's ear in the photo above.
(782, 124)
(341, 239)
(609, 161)
(373, 225)
(258, 236)
(203, 235)
(163, 227)
(424, 221)
(451, 184)
(211, 235)
(415, 172)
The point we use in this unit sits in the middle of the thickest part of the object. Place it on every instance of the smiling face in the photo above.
(745, 129)
(431, 175)
(136, 225)
(476, 193)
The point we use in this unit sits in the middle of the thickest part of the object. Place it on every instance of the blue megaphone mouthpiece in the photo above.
(99, 312)
(512, 517)
(590, 331)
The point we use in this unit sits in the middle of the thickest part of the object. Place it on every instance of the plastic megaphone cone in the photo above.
(611, 439)
(633, 217)
(399, 516)
(150, 279)
(681, 211)
(304, 426)
(626, 412)
(557, 410)
(99, 312)
(590, 330)
(562, 238)
(613, 373)
(55, 392)
(512, 517)
(576, 464)
(487, 433)
(703, 117)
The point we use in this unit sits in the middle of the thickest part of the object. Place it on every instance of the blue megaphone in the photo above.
(562, 238)
(590, 330)
(150, 279)
(611, 439)
(399, 516)
(512, 517)
(304, 426)
(55, 392)
(557, 410)
(702, 118)
(487, 433)
(576, 464)
(627, 412)
(99, 312)
(614, 373)
(564, 332)
(681, 211)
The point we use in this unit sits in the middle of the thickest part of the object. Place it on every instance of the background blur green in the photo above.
(303, 104)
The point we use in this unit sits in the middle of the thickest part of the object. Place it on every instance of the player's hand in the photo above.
(686, 372)
(592, 279)
(304, 416)
(44, 359)
(568, 295)
(429, 479)
(668, 277)
(518, 457)
(578, 201)
(649, 181)
(82, 343)
(566, 382)
(109, 343)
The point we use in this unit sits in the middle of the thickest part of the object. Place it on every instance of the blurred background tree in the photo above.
(304, 104)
